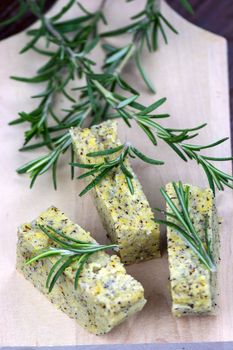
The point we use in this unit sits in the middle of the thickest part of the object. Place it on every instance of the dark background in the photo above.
(213, 15)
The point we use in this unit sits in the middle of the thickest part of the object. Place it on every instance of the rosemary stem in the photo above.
(57, 35)
(53, 31)
(103, 3)
(48, 103)
(127, 57)
(104, 92)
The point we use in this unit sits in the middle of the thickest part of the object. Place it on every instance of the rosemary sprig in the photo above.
(65, 62)
(41, 164)
(100, 170)
(181, 223)
(129, 109)
(73, 39)
(145, 27)
(72, 42)
(216, 177)
(69, 251)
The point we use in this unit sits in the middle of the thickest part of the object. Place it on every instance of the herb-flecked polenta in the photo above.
(106, 295)
(127, 218)
(193, 286)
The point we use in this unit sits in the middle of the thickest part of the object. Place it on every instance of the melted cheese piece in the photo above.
(106, 294)
(128, 219)
(193, 286)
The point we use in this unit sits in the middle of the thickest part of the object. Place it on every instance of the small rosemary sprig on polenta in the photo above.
(179, 220)
(101, 169)
(68, 250)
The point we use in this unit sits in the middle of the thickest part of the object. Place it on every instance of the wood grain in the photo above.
(192, 72)
(217, 17)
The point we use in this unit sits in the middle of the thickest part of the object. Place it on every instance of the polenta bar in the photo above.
(106, 295)
(193, 285)
(128, 219)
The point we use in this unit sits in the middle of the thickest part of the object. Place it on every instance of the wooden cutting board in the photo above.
(192, 73)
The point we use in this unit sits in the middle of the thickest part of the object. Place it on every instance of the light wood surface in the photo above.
(192, 73)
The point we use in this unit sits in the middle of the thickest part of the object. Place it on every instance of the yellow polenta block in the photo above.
(106, 294)
(193, 286)
(128, 219)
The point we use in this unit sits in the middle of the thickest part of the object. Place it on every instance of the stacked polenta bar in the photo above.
(106, 294)
(127, 218)
(193, 286)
